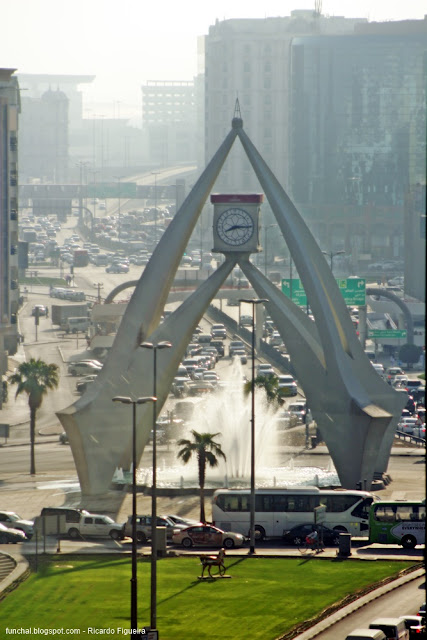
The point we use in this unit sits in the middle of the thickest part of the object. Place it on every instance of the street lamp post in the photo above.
(155, 174)
(118, 178)
(134, 577)
(332, 255)
(253, 302)
(99, 286)
(153, 605)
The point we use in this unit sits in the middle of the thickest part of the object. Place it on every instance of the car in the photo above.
(265, 369)
(414, 385)
(399, 381)
(415, 625)
(218, 331)
(407, 425)
(63, 438)
(391, 372)
(298, 534)
(205, 535)
(235, 345)
(84, 382)
(40, 310)
(219, 346)
(117, 268)
(83, 368)
(143, 527)
(275, 339)
(298, 409)
(241, 353)
(12, 520)
(210, 376)
(420, 432)
(96, 525)
(287, 385)
(245, 321)
(10, 535)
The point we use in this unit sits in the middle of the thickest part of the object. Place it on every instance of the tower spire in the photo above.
(237, 121)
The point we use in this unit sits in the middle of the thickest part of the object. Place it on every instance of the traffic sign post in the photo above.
(353, 291)
(387, 333)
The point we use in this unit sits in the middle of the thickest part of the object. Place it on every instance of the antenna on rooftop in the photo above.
(237, 113)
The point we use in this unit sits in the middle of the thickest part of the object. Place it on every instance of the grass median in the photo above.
(264, 598)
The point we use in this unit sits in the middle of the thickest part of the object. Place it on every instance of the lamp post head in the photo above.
(123, 399)
(145, 399)
(160, 345)
(128, 400)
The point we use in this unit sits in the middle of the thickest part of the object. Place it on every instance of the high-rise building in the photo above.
(337, 107)
(169, 120)
(9, 291)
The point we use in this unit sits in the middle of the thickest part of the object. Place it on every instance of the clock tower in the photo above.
(236, 222)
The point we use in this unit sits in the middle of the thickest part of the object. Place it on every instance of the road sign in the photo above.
(387, 333)
(298, 293)
(353, 291)
(111, 190)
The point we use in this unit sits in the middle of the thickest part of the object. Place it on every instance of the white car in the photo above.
(287, 385)
(84, 368)
(12, 520)
(407, 425)
(298, 409)
(265, 370)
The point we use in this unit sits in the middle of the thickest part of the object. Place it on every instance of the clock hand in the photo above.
(238, 226)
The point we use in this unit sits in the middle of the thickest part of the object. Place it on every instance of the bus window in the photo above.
(264, 503)
(301, 502)
(385, 513)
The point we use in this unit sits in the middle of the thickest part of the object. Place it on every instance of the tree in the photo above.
(409, 353)
(207, 451)
(270, 384)
(34, 378)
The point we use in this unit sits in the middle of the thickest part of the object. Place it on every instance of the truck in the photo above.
(61, 312)
(29, 235)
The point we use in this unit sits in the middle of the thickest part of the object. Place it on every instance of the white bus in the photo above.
(276, 510)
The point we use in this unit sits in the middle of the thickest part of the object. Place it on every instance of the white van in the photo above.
(72, 325)
(393, 628)
(366, 634)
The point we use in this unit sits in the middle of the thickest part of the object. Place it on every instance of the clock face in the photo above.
(235, 226)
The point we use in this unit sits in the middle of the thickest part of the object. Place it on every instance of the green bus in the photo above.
(398, 522)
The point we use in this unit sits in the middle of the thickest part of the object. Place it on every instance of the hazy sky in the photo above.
(124, 43)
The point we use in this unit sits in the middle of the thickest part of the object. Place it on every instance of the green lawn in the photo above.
(263, 599)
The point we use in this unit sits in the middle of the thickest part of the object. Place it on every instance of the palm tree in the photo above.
(207, 452)
(35, 378)
(270, 384)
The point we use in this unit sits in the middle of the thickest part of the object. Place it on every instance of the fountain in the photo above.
(227, 412)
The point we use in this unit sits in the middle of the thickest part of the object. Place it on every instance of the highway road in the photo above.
(403, 601)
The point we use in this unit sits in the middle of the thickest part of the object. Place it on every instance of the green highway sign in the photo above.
(111, 190)
(387, 333)
(353, 291)
(298, 293)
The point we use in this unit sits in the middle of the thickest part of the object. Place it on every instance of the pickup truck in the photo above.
(94, 524)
